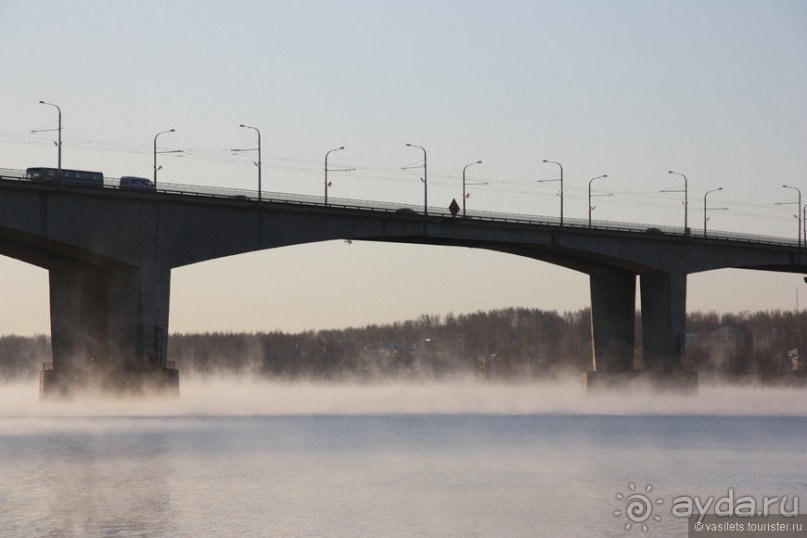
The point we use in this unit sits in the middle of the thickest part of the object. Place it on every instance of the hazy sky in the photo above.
(714, 89)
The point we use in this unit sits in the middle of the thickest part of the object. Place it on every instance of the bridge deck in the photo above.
(244, 195)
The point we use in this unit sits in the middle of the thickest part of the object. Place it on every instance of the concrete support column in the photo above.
(154, 300)
(109, 326)
(663, 333)
(78, 307)
(663, 319)
(613, 300)
(137, 315)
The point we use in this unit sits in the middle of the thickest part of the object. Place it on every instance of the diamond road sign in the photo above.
(454, 207)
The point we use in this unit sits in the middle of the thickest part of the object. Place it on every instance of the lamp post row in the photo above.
(801, 214)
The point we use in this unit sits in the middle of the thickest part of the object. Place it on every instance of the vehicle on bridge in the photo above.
(54, 175)
(136, 183)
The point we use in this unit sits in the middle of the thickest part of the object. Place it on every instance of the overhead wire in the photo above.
(370, 169)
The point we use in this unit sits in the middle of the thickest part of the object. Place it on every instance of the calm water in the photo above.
(393, 460)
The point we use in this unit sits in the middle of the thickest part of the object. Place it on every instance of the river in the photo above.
(457, 458)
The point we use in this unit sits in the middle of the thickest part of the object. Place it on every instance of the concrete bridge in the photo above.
(109, 253)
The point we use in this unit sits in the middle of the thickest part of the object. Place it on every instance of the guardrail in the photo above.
(48, 366)
(389, 207)
(9, 172)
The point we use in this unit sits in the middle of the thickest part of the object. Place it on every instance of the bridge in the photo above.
(109, 253)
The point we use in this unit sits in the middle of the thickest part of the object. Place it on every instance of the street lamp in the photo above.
(704, 207)
(258, 164)
(804, 223)
(561, 186)
(424, 179)
(326, 171)
(798, 213)
(590, 208)
(328, 183)
(464, 196)
(155, 153)
(59, 144)
(686, 202)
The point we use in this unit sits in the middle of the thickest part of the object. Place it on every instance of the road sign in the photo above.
(454, 207)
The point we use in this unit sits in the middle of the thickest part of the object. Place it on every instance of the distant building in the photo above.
(794, 361)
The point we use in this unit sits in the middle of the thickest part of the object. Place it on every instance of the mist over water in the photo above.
(242, 395)
(234, 456)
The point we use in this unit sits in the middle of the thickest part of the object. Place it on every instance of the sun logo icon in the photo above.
(638, 507)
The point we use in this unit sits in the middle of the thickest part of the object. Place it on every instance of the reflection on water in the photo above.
(451, 459)
(85, 483)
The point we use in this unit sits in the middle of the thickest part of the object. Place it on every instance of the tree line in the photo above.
(512, 343)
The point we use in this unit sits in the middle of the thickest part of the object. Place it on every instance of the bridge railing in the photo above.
(7, 173)
(372, 205)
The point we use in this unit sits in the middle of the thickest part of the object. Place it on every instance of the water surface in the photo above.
(442, 459)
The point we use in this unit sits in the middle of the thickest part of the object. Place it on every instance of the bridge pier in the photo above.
(109, 331)
(663, 300)
(664, 330)
(613, 300)
(663, 320)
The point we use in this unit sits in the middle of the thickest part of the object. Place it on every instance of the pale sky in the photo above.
(714, 89)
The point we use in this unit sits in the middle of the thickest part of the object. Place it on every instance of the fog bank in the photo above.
(237, 396)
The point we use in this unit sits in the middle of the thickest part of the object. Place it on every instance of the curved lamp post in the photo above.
(705, 209)
(561, 186)
(258, 164)
(328, 183)
(326, 171)
(798, 213)
(686, 201)
(59, 143)
(155, 153)
(464, 196)
(804, 223)
(590, 208)
(425, 179)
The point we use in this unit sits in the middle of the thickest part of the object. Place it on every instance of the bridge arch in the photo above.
(406, 280)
